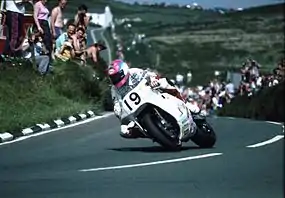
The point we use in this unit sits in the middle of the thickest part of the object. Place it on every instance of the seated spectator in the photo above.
(42, 60)
(83, 52)
(93, 51)
(64, 37)
(79, 44)
(66, 52)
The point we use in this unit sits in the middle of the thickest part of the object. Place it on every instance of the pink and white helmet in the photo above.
(118, 72)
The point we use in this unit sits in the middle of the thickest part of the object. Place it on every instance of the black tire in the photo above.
(158, 134)
(205, 136)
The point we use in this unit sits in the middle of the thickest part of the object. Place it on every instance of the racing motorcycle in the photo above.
(165, 118)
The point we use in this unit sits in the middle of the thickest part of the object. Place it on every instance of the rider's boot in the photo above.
(131, 131)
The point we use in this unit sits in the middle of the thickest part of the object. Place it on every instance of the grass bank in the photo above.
(27, 98)
(268, 104)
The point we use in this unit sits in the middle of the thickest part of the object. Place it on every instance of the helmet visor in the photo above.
(117, 77)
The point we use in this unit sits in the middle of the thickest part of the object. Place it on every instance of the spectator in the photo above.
(65, 37)
(254, 68)
(82, 18)
(79, 44)
(67, 51)
(42, 60)
(120, 55)
(14, 22)
(230, 89)
(259, 82)
(41, 14)
(57, 19)
(93, 51)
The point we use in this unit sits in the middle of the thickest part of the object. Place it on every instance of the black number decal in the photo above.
(135, 98)
(130, 108)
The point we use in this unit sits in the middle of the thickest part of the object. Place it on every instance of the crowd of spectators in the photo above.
(49, 38)
(217, 93)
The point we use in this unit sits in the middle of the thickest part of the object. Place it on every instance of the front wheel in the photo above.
(157, 131)
(205, 136)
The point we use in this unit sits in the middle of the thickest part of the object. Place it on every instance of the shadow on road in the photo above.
(153, 149)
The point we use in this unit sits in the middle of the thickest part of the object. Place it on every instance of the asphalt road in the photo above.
(49, 165)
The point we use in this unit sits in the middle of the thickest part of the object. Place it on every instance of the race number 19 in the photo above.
(134, 98)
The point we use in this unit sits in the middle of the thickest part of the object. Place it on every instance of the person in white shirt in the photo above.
(230, 89)
(14, 22)
(42, 60)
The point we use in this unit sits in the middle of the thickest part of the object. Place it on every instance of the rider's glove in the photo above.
(154, 83)
(117, 109)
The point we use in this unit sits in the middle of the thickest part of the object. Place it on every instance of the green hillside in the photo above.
(180, 40)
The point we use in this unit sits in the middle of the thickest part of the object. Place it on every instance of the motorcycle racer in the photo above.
(123, 80)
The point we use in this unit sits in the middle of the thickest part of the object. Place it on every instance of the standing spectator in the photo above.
(14, 22)
(254, 69)
(82, 19)
(41, 14)
(120, 55)
(57, 19)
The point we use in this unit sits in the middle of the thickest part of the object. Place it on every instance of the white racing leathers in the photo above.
(136, 75)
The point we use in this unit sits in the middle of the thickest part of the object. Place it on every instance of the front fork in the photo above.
(143, 131)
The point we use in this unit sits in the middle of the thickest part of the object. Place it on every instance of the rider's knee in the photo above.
(125, 131)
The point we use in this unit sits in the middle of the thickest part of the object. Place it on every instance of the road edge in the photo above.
(57, 123)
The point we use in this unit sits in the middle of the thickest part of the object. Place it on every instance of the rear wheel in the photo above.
(168, 138)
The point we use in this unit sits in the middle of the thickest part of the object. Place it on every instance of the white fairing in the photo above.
(143, 94)
(193, 106)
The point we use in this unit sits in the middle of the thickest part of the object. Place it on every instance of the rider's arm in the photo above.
(116, 102)
(165, 83)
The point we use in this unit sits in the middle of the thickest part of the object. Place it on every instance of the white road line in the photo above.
(101, 30)
(275, 139)
(277, 123)
(93, 35)
(151, 163)
(57, 129)
(108, 46)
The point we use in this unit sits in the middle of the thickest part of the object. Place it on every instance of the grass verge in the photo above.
(27, 98)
